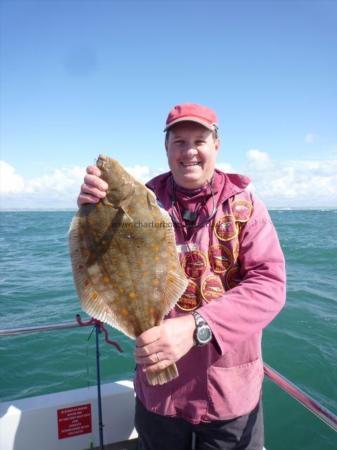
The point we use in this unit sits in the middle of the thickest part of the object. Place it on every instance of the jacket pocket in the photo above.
(234, 391)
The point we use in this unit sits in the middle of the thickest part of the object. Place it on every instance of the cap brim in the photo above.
(209, 126)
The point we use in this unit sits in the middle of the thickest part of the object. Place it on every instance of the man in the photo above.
(231, 255)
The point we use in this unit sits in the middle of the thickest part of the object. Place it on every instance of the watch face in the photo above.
(204, 334)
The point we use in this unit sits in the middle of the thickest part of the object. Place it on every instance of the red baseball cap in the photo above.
(192, 112)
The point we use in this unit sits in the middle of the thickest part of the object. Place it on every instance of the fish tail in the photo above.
(163, 376)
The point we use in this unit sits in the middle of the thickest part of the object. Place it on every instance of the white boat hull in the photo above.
(69, 420)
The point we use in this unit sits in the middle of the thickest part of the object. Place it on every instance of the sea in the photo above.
(301, 343)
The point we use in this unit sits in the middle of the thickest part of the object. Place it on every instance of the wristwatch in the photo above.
(202, 333)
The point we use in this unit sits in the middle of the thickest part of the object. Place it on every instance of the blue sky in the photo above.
(80, 78)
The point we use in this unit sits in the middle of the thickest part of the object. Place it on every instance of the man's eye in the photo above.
(198, 143)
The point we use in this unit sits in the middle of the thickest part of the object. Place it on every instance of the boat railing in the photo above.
(324, 414)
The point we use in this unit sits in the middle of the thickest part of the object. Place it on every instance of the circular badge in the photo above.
(232, 277)
(211, 288)
(225, 228)
(190, 299)
(242, 210)
(194, 264)
(220, 258)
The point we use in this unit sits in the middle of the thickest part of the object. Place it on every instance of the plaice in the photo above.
(124, 260)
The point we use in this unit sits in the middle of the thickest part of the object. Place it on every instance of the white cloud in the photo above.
(62, 181)
(54, 190)
(310, 138)
(141, 173)
(10, 181)
(57, 189)
(294, 183)
(258, 160)
(225, 167)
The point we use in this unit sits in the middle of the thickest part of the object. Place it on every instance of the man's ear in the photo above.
(217, 144)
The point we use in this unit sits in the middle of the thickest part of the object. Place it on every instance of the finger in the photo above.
(94, 170)
(148, 337)
(87, 189)
(87, 198)
(146, 350)
(154, 358)
(158, 367)
(96, 182)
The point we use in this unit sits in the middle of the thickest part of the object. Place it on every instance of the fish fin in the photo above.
(73, 225)
(176, 284)
(106, 202)
(168, 374)
(81, 276)
(126, 217)
(125, 202)
(95, 303)
(176, 281)
(91, 302)
(151, 199)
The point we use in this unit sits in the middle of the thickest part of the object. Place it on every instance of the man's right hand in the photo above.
(93, 188)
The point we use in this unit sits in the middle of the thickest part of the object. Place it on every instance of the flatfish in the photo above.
(124, 259)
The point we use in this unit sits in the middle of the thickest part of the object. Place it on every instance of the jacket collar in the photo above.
(232, 184)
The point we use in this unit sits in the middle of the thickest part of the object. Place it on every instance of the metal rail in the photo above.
(38, 328)
(306, 400)
(324, 414)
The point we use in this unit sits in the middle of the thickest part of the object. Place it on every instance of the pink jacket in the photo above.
(237, 280)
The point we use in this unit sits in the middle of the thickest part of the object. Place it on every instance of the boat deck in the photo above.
(125, 445)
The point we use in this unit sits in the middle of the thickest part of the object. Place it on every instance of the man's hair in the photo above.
(215, 134)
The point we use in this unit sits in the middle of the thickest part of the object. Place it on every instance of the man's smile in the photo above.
(190, 164)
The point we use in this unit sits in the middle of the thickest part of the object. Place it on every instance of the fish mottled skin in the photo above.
(124, 260)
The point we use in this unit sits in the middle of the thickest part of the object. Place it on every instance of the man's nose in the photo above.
(190, 149)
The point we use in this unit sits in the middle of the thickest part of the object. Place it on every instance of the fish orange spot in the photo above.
(156, 258)
(94, 296)
(145, 274)
(155, 282)
(125, 312)
(121, 290)
(132, 295)
(105, 279)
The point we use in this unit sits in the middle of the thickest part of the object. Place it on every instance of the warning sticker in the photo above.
(74, 421)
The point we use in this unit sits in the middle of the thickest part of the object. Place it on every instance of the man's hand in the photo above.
(159, 347)
(93, 188)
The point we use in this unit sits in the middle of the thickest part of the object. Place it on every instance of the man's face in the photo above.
(191, 151)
